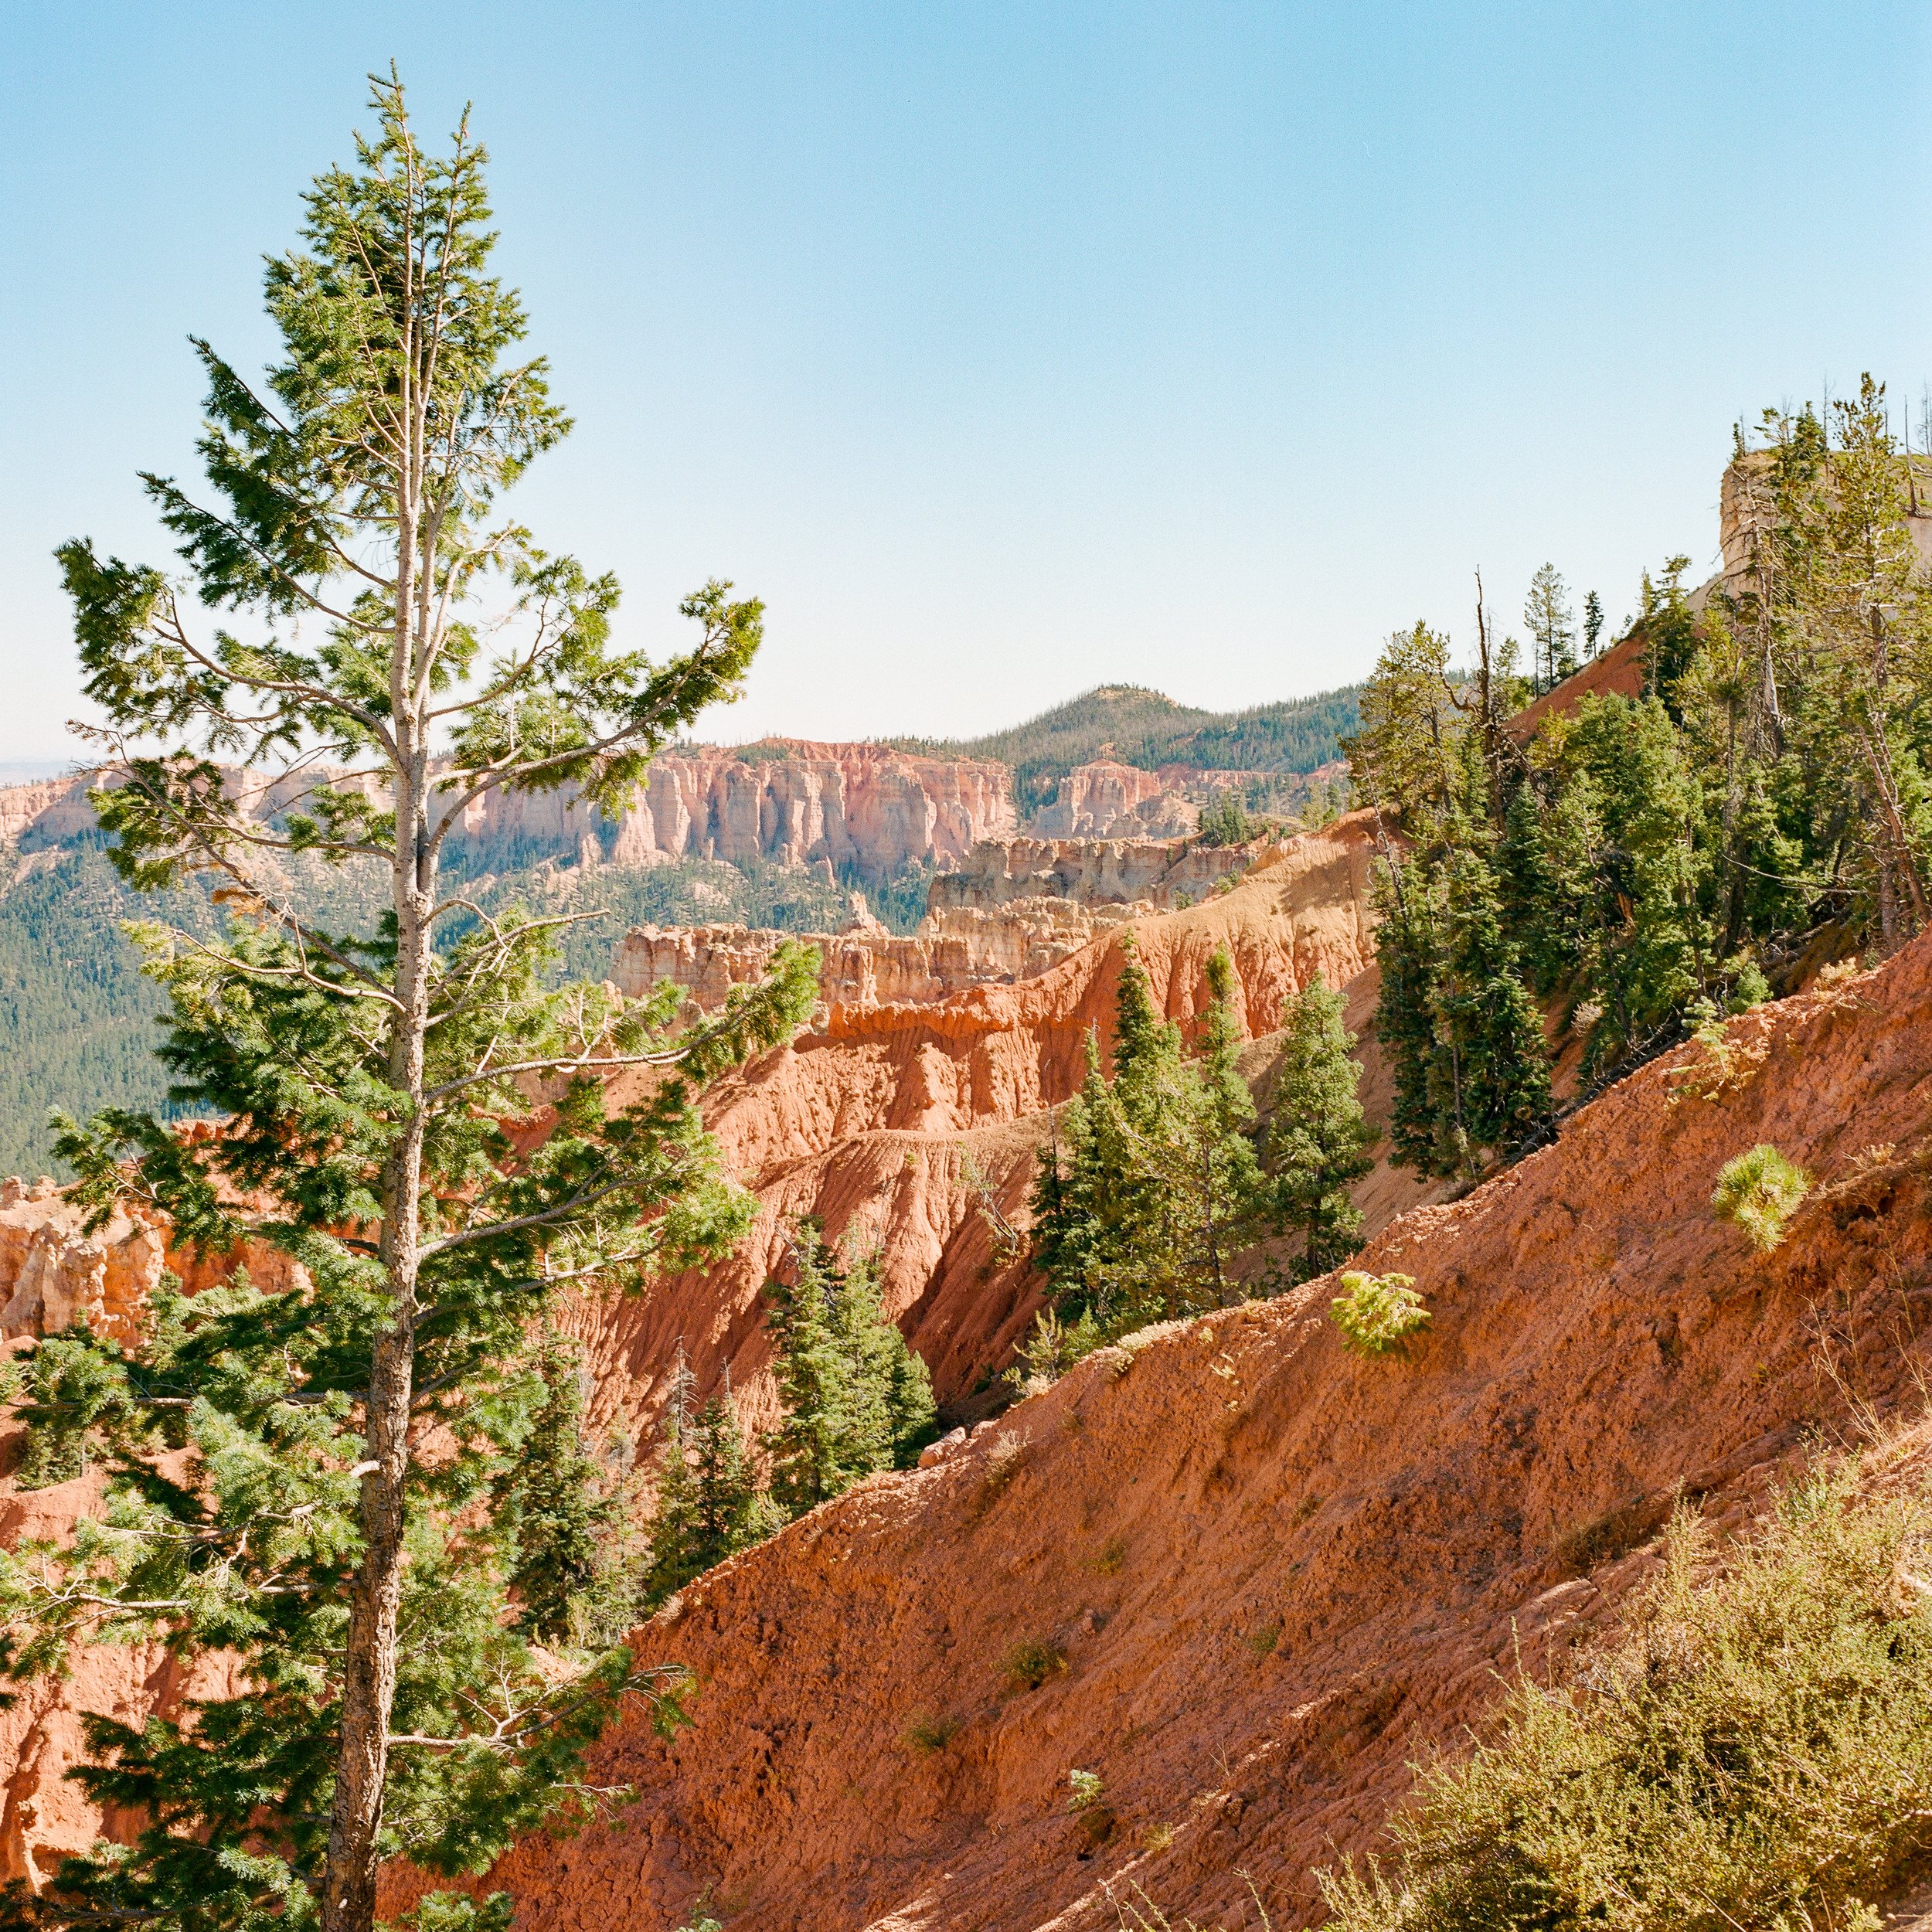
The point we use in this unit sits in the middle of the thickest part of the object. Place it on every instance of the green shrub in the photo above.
(1759, 1192)
(924, 1735)
(1756, 1752)
(1030, 1662)
(1377, 1313)
(1084, 1790)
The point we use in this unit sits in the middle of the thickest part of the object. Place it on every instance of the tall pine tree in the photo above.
(856, 1400)
(302, 1480)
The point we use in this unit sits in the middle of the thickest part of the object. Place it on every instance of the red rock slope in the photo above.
(1277, 1573)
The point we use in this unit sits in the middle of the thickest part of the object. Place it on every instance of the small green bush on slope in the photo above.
(1756, 1753)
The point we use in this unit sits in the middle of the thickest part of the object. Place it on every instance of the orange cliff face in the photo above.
(1264, 1577)
(788, 802)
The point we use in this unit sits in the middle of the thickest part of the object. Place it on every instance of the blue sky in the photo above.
(1006, 350)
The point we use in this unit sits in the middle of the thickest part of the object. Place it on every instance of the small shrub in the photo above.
(1723, 1066)
(1378, 1313)
(1603, 1538)
(1756, 1751)
(1084, 1790)
(1264, 1641)
(922, 1735)
(1158, 1837)
(1113, 1553)
(1002, 1464)
(1031, 1662)
(1759, 1192)
(1051, 1348)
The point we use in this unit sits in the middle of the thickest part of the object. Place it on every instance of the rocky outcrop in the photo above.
(1159, 873)
(1108, 800)
(914, 1128)
(53, 1275)
(867, 966)
(786, 801)
(1267, 1577)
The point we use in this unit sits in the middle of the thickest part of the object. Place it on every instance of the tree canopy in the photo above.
(411, 1113)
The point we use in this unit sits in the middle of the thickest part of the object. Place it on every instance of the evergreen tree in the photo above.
(1154, 1187)
(1593, 624)
(708, 1506)
(1407, 759)
(562, 1516)
(856, 1400)
(1464, 1040)
(1319, 1142)
(1547, 614)
(1491, 1076)
(272, 1498)
(1225, 821)
(1408, 958)
(1670, 631)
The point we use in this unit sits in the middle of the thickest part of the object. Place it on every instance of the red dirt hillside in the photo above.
(1277, 1573)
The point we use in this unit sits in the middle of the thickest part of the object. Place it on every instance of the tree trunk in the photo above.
(369, 1680)
(368, 1671)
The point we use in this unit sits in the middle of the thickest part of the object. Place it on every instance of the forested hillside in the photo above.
(1141, 727)
(77, 1020)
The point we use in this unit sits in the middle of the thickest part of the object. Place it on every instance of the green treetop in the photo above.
(412, 1114)
(1551, 627)
(1319, 1141)
(1153, 1189)
(856, 1399)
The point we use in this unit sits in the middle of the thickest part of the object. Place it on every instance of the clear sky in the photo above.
(1009, 349)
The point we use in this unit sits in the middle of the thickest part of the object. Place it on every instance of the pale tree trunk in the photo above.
(369, 1677)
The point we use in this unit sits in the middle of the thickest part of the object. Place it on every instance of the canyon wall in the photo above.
(866, 807)
(1092, 872)
(866, 965)
(789, 802)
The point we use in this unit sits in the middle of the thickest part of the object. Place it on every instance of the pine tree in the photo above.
(1407, 761)
(1319, 1141)
(561, 1512)
(1546, 613)
(1490, 1080)
(1409, 959)
(1670, 631)
(708, 1505)
(1464, 1038)
(1225, 821)
(303, 1479)
(1153, 1189)
(856, 1400)
(1593, 624)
